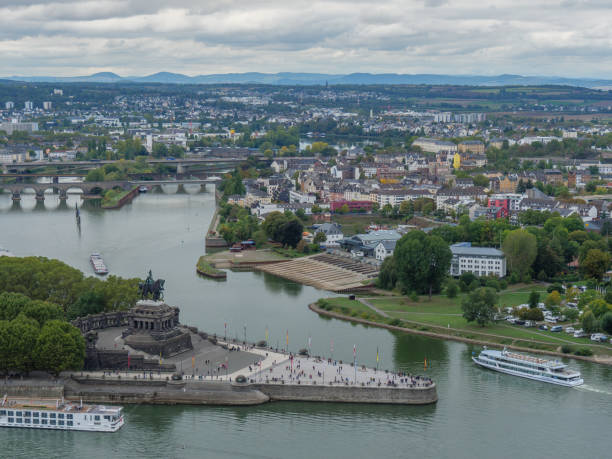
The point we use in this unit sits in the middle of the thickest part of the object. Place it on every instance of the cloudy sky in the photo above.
(140, 37)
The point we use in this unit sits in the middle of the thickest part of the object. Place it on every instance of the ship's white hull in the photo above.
(82, 428)
(490, 366)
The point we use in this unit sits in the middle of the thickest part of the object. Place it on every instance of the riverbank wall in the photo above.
(313, 307)
(349, 394)
(162, 392)
(124, 200)
(159, 392)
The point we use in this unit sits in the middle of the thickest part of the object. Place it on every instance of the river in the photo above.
(479, 414)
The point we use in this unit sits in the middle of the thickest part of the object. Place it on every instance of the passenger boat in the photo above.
(59, 415)
(512, 363)
(98, 264)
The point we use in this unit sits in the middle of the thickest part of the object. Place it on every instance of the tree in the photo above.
(553, 299)
(319, 237)
(531, 314)
(160, 150)
(534, 299)
(95, 175)
(599, 307)
(90, 302)
(481, 180)
(59, 347)
(520, 248)
(589, 322)
(423, 262)
(479, 306)
(22, 333)
(595, 264)
(452, 289)
(387, 276)
(291, 232)
(606, 323)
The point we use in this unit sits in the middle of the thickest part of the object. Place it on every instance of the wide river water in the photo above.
(479, 413)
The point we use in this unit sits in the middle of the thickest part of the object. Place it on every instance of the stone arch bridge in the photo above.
(87, 188)
(93, 189)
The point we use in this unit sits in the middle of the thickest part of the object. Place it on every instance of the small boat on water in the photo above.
(52, 414)
(98, 264)
(143, 189)
(526, 366)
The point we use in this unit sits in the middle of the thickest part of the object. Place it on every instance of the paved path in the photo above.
(366, 303)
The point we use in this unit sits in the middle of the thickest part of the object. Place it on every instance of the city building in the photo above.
(16, 125)
(332, 231)
(9, 105)
(28, 105)
(434, 145)
(471, 146)
(481, 261)
(47, 105)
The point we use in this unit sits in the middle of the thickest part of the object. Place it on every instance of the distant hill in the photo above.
(289, 78)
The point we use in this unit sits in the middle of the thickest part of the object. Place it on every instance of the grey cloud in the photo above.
(336, 36)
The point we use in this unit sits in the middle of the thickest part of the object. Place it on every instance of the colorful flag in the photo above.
(377, 355)
(425, 364)
(193, 362)
(287, 339)
(309, 342)
(160, 358)
(354, 350)
(266, 333)
(129, 361)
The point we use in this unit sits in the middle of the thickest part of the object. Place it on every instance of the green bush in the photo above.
(584, 351)
(567, 349)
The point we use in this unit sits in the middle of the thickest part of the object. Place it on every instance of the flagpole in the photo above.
(355, 361)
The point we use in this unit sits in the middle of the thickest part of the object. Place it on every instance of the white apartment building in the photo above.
(9, 105)
(47, 105)
(28, 105)
(482, 261)
(434, 145)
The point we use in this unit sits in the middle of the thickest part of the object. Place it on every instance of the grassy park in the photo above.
(443, 316)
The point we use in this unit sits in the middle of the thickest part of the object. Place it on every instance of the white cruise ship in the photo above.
(551, 371)
(59, 415)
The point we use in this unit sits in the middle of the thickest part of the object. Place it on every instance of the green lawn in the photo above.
(443, 314)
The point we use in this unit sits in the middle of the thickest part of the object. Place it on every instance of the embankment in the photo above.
(349, 394)
(163, 392)
(595, 359)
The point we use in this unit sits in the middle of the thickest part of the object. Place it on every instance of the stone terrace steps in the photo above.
(323, 271)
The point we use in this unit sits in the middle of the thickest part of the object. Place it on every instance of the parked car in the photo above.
(543, 327)
(556, 328)
(530, 323)
(579, 334)
(569, 330)
(511, 319)
(519, 322)
(600, 337)
(550, 320)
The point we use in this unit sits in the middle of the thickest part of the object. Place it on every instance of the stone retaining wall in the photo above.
(33, 390)
(349, 394)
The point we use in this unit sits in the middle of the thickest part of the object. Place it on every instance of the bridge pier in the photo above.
(180, 189)
(40, 195)
(180, 169)
(63, 195)
(16, 196)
